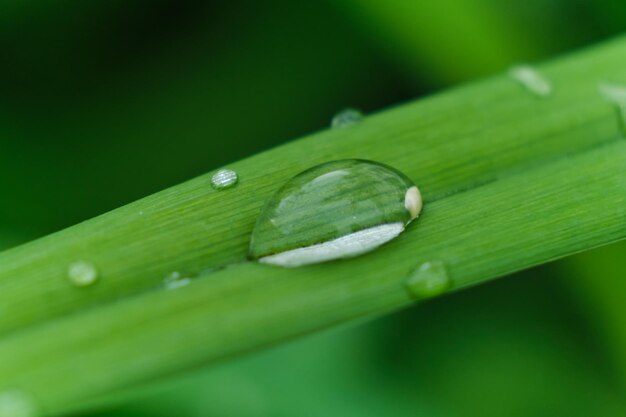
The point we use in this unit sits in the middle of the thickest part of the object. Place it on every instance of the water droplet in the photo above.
(616, 95)
(532, 80)
(428, 280)
(346, 117)
(16, 404)
(335, 210)
(175, 280)
(82, 274)
(224, 178)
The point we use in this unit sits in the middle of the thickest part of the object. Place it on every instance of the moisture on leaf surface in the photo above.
(334, 210)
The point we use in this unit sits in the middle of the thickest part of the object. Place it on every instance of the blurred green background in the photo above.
(104, 102)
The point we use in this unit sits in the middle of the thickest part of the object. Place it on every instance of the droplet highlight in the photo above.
(428, 280)
(335, 210)
(175, 280)
(345, 118)
(224, 178)
(616, 95)
(82, 273)
(531, 80)
(16, 404)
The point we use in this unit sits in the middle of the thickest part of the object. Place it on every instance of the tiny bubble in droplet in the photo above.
(16, 404)
(429, 279)
(413, 201)
(531, 79)
(224, 178)
(82, 273)
(345, 118)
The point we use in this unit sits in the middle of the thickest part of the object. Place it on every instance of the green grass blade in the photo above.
(450, 142)
(486, 232)
(510, 181)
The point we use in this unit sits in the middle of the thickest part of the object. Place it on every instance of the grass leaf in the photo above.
(510, 180)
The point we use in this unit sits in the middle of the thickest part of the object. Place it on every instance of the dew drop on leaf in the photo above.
(175, 280)
(345, 118)
(429, 279)
(224, 178)
(82, 273)
(531, 80)
(335, 210)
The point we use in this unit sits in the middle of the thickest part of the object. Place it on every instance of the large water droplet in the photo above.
(532, 80)
(428, 280)
(345, 118)
(335, 210)
(16, 404)
(616, 95)
(224, 178)
(82, 273)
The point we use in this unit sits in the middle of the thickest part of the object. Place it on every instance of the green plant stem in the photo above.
(510, 181)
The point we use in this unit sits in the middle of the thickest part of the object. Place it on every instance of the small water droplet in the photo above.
(224, 178)
(532, 80)
(616, 95)
(175, 280)
(429, 279)
(82, 273)
(16, 404)
(334, 210)
(345, 118)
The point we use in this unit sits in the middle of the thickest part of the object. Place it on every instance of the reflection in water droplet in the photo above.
(16, 404)
(428, 280)
(350, 245)
(345, 118)
(335, 210)
(224, 178)
(616, 95)
(175, 280)
(82, 273)
(532, 80)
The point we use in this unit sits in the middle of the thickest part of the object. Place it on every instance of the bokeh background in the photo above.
(104, 102)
